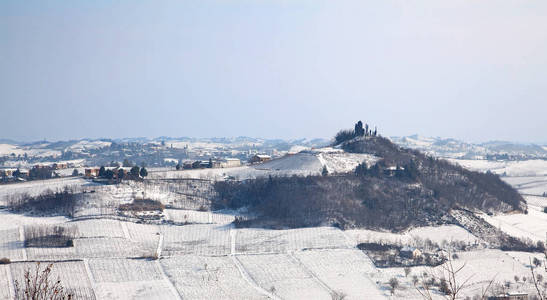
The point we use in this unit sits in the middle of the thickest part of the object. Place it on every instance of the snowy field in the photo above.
(310, 162)
(438, 234)
(536, 167)
(532, 225)
(36, 187)
(203, 256)
(528, 185)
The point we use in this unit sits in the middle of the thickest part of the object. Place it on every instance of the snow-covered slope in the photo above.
(452, 148)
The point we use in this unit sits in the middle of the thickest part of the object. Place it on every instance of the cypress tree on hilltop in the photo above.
(359, 131)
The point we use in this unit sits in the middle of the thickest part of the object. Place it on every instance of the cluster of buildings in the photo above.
(116, 171)
(223, 162)
(212, 163)
(8, 172)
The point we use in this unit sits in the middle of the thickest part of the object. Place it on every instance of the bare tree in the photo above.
(337, 295)
(407, 271)
(450, 273)
(393, 284)
(38, 285)
(451, 284)
(537, 278)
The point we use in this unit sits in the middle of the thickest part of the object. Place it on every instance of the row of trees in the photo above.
(359, 130)
(134, 173)
(381, 169)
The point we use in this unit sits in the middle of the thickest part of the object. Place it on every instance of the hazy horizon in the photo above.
(473, 71)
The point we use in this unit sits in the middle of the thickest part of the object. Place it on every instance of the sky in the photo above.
(466, 69)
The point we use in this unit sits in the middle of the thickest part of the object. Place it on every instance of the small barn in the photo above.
(510, 296)
(410, 252)
(259, 158)
(91, 172)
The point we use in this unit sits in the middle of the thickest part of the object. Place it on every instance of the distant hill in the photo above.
(452, 148)
(403, 188)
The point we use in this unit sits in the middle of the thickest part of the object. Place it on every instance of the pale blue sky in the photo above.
(473, 70)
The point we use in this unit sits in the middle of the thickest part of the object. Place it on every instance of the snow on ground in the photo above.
(36, 187)
(199, 239)
(99, 228)
(532, 225)
(210, 259)
(257, 240)
(72, 274)
(88, 145)
(32, 151)
(192, 216)
(342, 270)
(536, 167)
(281, 275)
(436, 234)
(8, 149)
(145, 290)
(11, 244)
(5, 276)
(342, 162)
(480, 268)
(201, 277)
(9, 220)
(217, 261)
(528, 185)
(122, 269)
(111, 248)
(303, 163)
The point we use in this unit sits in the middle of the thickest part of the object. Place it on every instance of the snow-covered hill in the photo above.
(452, 148)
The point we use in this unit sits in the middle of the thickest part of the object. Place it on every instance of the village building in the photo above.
(410, 252)
(91, 172)
(7, 172)
(59, 166)
(226, 163)
(259, 158)
(510, 296)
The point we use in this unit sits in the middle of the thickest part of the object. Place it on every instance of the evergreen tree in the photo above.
(210, 165)
(102, 171)
(120, 174)
(325, 172)
(109, 174)
(366, 129)
(361, 169)
(17, 173)
(134, 172)
(143, 172)
(75, 172)
(359, 131)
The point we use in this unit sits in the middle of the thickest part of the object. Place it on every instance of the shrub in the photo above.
(38, 285)
(343, 135)
(393, 284)
(142, 205)
(61, 202)
(443, 287)
(5, 261)
(337, 295)
(150, 256)
(50, 236)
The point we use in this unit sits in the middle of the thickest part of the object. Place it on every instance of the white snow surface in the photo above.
(535, 167)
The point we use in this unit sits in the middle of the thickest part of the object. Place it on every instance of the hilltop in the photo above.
(399, 188)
